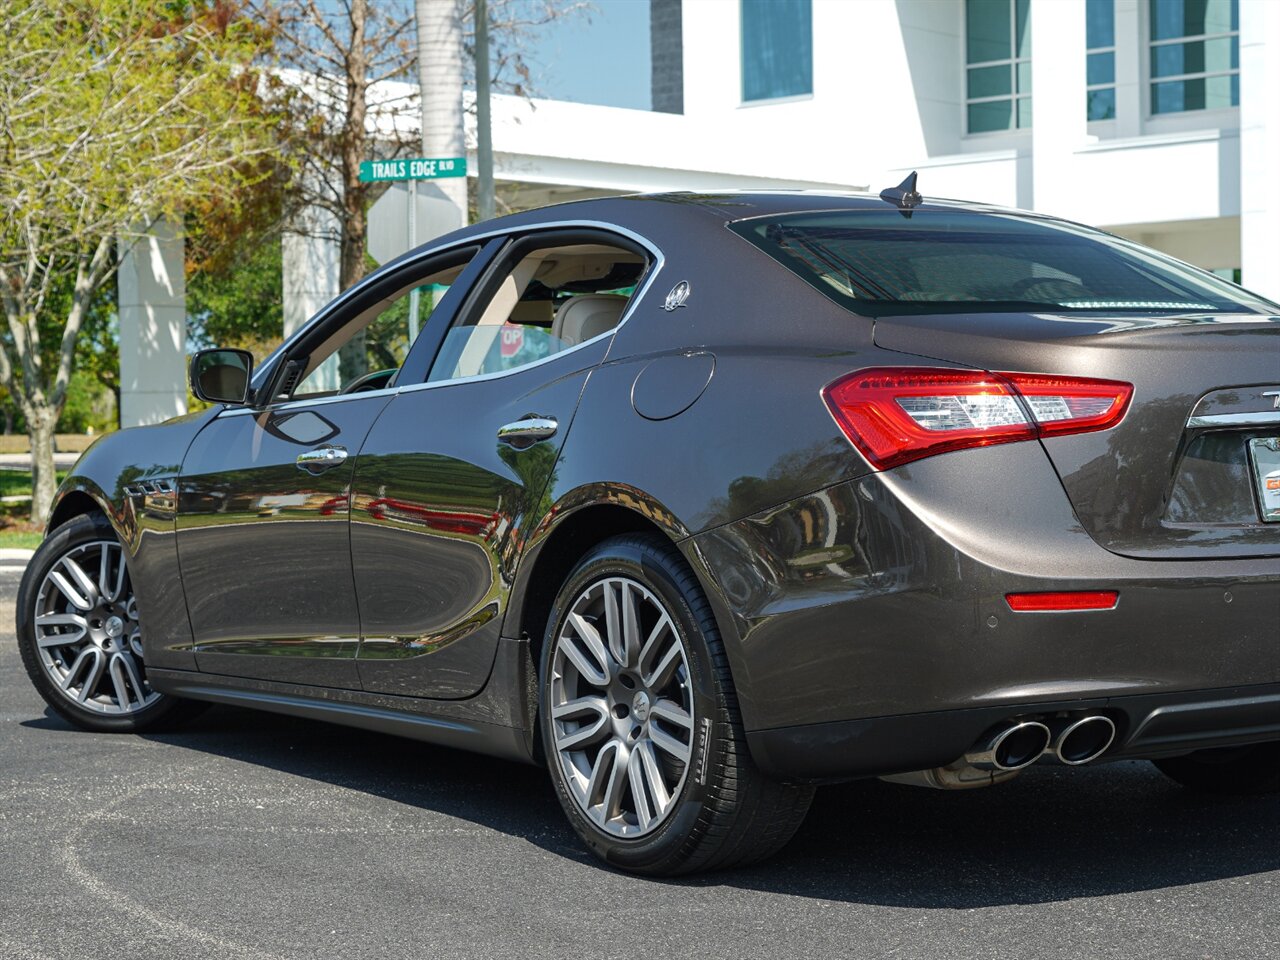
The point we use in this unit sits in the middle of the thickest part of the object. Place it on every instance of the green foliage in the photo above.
(238, 303)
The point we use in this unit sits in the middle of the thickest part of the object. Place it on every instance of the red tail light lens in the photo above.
(1051, 602)
(896, 415)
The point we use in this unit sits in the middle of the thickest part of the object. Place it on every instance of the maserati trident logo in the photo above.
(677, 297)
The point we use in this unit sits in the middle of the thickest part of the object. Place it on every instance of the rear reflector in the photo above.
(896, 415)
(1044, 602)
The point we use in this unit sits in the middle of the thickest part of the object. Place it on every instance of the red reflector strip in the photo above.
(1081, 600)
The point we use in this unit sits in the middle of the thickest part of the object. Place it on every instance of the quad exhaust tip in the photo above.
(1083, 739)
(1011, 746)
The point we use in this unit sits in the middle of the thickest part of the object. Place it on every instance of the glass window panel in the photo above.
(987, 30)
(1024, 78)
(989, 81)
(777, 48)
(1024, 112)
(1235, 89)
(1192, 18)
(1100, 23)
(1023, 27)
(1168, 97)
(1198, 56)
(1196, 93)
(993, 115)
(1102, 68)
(1102, 104)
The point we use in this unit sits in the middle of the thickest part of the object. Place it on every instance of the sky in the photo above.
(599, 57)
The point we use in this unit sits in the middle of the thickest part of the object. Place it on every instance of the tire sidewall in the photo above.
(76, 531)
(653, 568)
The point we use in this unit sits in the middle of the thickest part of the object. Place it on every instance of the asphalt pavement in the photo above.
(253, 837)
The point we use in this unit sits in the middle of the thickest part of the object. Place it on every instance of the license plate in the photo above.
(1264, 454)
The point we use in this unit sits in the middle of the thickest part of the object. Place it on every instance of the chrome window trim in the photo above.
(659, 261)
(1235, 419)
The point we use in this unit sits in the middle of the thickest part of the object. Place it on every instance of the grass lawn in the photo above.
(16, 529)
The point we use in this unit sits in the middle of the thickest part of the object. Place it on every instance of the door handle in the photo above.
(530, 430)
(322, 458)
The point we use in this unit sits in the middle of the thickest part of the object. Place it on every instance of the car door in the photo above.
(263, 512)
(451, 478)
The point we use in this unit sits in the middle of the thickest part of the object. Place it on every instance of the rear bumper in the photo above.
(1147, 726)
(880, 603)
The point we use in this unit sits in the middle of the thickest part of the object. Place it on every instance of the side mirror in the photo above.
(221, 376)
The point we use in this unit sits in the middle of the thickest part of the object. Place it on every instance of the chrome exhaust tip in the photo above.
(1011, 746)
(1083, 740)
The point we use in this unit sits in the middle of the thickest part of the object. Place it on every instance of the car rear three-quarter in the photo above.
(704, 499)
(1060, 540)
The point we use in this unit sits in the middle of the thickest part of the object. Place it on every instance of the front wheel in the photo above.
(80, 633)
(1251, 769)
(640, 725)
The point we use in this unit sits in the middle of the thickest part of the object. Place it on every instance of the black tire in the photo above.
(726, 813)
(1252, 769)
(164, 713)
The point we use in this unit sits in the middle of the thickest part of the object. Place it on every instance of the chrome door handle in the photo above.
(322, 458)
(530, 430)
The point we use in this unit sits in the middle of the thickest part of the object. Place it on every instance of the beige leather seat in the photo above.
(587, 315)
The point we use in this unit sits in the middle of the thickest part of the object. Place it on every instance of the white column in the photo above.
(310, 254)
(1131, 93)
(440, 82)
(1059, 124)
(152, 300)
(1260, 146)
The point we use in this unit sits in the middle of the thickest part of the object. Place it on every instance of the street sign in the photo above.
(413, 168)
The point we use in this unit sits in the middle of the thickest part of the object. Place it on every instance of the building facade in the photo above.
(1156, 119)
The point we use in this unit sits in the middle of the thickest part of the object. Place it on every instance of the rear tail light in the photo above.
(1054, 602)
(896, 415)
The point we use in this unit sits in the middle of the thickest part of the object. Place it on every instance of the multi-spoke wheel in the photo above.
(640, 724)
(80, 631)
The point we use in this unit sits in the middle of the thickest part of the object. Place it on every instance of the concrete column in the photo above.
(440, 82)
(1059, 124)
(152, 301)
(310, 275)
(1131, 92)
(1260, 146)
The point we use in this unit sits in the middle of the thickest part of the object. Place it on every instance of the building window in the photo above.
(998, 59)
(1100, 32)
(1195, 55)
(777, 49)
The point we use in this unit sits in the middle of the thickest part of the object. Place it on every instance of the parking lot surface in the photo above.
(250, 836)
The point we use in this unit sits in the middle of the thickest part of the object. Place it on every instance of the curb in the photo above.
(12, 556)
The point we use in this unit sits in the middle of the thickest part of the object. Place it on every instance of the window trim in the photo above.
(413, 261)
(517, 246)
(1149, 79)
(1012, 62)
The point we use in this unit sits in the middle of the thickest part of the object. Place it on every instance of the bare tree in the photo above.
(111, 114)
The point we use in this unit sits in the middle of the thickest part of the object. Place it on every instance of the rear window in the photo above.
(878, 262)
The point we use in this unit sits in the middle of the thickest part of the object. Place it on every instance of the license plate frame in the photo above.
(1264, 461)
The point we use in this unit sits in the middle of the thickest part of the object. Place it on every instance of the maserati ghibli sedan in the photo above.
(703, 500)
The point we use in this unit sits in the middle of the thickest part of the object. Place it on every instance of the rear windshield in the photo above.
(878, 262)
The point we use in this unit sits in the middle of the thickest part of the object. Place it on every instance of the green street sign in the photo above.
(413, 168)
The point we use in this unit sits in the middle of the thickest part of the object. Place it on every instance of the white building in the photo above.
(1155, 119)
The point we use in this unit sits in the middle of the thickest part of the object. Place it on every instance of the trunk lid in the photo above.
(1179, 477)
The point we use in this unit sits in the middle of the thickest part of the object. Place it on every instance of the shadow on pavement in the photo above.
(1051, 835)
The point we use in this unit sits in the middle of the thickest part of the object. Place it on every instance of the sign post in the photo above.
(412, 169)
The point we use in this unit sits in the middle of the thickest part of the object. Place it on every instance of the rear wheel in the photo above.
(1230, 770)
(640, 724)
(80, 633)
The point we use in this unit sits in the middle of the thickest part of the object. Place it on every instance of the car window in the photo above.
(880, 263)
(368, 351)
(548, 300)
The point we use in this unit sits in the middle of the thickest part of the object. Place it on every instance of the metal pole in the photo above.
(484, 133)
(440, 54)
(413, 242)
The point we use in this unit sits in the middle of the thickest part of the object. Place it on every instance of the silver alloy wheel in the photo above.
(87, 631)
(621, 702)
